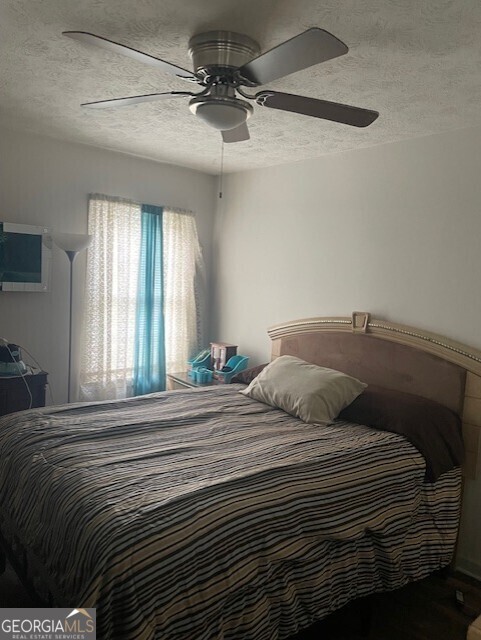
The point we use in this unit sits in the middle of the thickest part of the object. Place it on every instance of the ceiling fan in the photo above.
(225, 62)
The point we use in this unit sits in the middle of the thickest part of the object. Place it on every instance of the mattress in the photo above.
(203, 514)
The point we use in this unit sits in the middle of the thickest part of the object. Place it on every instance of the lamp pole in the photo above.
(71, 256)
(72, 244)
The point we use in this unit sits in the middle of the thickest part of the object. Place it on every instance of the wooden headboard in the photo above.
(397, 357)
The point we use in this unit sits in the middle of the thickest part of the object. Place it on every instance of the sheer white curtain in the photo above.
(111, 292)
(182, 260)
(107, 361)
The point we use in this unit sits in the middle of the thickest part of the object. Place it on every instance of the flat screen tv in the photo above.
(24, 257)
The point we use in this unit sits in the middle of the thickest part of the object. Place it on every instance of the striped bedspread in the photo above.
(205, 515)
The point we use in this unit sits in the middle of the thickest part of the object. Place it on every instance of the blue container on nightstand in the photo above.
(234, 365)
(201, 361)
(202, 375)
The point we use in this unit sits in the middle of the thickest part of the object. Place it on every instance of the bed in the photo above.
(204, 514)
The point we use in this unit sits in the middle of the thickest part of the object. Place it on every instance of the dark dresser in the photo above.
(14, 395)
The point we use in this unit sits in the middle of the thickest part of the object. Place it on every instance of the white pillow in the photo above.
(313, 394)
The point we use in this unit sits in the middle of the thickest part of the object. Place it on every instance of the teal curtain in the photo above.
(149, 364)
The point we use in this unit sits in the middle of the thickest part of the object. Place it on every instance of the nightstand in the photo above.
(182, 381)
(14, 395)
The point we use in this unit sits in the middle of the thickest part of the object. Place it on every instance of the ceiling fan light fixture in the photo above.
(222, 114)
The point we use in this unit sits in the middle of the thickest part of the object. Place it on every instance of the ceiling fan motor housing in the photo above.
(214, 53)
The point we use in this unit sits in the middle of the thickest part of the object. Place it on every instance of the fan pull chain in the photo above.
(221, 181)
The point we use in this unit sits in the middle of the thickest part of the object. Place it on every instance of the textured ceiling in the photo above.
(417, 62)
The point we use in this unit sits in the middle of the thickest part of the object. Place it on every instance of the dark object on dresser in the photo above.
(14, 395)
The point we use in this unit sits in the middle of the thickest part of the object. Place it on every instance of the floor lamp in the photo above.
(72, 244)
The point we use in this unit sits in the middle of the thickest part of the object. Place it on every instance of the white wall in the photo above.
(47, 182)
(394, 230)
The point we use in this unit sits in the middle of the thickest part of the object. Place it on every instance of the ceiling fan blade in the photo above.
(238, 134)
(334, 111)
(125, 102)
(145, 58)
(310, 47)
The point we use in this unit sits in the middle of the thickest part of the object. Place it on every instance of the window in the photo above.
(110, 337)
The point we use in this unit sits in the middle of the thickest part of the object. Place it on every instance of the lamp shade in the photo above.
(73, 242)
